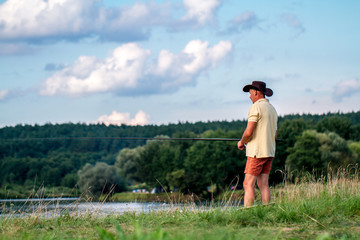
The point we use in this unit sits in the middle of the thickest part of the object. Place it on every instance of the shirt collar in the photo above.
(261, 100)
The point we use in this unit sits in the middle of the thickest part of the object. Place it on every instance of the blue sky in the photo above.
(159, 62)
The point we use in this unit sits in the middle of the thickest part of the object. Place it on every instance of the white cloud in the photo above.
(203, 56)
(200, 11)
(54, 20)
(89, 75)
(117, 118)
(3, 94)
(346, 89)
(130, 71)
(39, 20)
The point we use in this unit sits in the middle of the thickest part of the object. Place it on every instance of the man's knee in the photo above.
(249, 182)
(246, 185)
(263, 182)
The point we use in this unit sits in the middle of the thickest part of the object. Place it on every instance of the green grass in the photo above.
(139, 197)
(307, 210)
(29, 191)
(175, 197)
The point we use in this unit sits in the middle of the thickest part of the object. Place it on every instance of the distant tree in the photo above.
(335, 151)
(176, 179)
(355, 132)
(13, 170)
(319, 152)
(355, 149)
(288, 131)
(98, 179)
(200, 167)
(337, 124)
(69, 180)
(157, 159)
(56, 162)
(126, 163)
(214, 162)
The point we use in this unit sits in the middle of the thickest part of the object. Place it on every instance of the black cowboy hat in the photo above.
(260, 86)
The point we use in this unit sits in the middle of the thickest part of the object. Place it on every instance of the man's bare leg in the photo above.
(263, 184)
(249, 187)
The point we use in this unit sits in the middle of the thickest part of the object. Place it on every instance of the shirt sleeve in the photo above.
(253, 115)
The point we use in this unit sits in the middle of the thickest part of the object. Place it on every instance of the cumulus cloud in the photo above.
(40, 20)
(117, 118)
(293, 21)
(21, 19)
(131, 70)
(198, 13)
(346, 89)
(52, 20)
(243, 22)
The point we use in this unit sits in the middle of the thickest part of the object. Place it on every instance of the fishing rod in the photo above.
(122, 138)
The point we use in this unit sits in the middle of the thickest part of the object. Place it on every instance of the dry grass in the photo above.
(341, 183)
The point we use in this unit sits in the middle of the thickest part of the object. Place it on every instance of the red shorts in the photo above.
(256, 166)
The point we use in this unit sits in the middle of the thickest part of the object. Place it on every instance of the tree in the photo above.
(319, 152)
(305, 154)
(355, 132)
(337, 124)
(56, 162)
(355, 149)
(157, 159)
(176, 179)
(288, 131)
(69, 180)
(215, 162)
(335, 151)
(100, 179)
(126, 163)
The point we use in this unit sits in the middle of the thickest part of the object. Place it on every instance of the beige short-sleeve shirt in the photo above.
(262, 143)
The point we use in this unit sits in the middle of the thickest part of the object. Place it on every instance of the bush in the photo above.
(100, 179)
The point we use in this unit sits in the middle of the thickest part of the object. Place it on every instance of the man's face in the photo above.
(253, 94)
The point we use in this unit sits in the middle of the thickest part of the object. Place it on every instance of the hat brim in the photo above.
(248, 87)
(267, 93)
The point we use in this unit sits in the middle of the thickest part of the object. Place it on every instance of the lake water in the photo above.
(54, 207)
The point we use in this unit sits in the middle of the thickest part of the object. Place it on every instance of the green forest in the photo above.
(90, 158)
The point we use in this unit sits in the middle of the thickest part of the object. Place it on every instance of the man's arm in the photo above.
(247, 134)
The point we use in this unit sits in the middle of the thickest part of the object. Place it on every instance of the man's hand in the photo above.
(240, 145)
(247, 135)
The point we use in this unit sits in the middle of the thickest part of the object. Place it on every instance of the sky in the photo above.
(159, 62)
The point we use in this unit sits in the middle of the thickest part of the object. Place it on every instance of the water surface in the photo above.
(54, 207)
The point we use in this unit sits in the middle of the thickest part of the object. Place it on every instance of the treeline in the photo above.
(54, 155)
(11, 144)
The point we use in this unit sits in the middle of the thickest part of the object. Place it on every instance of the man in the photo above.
(259, 138)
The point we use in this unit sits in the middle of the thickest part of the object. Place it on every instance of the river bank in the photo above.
(14, 191)
(27, 192)
(325, 218)
(307, 210)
